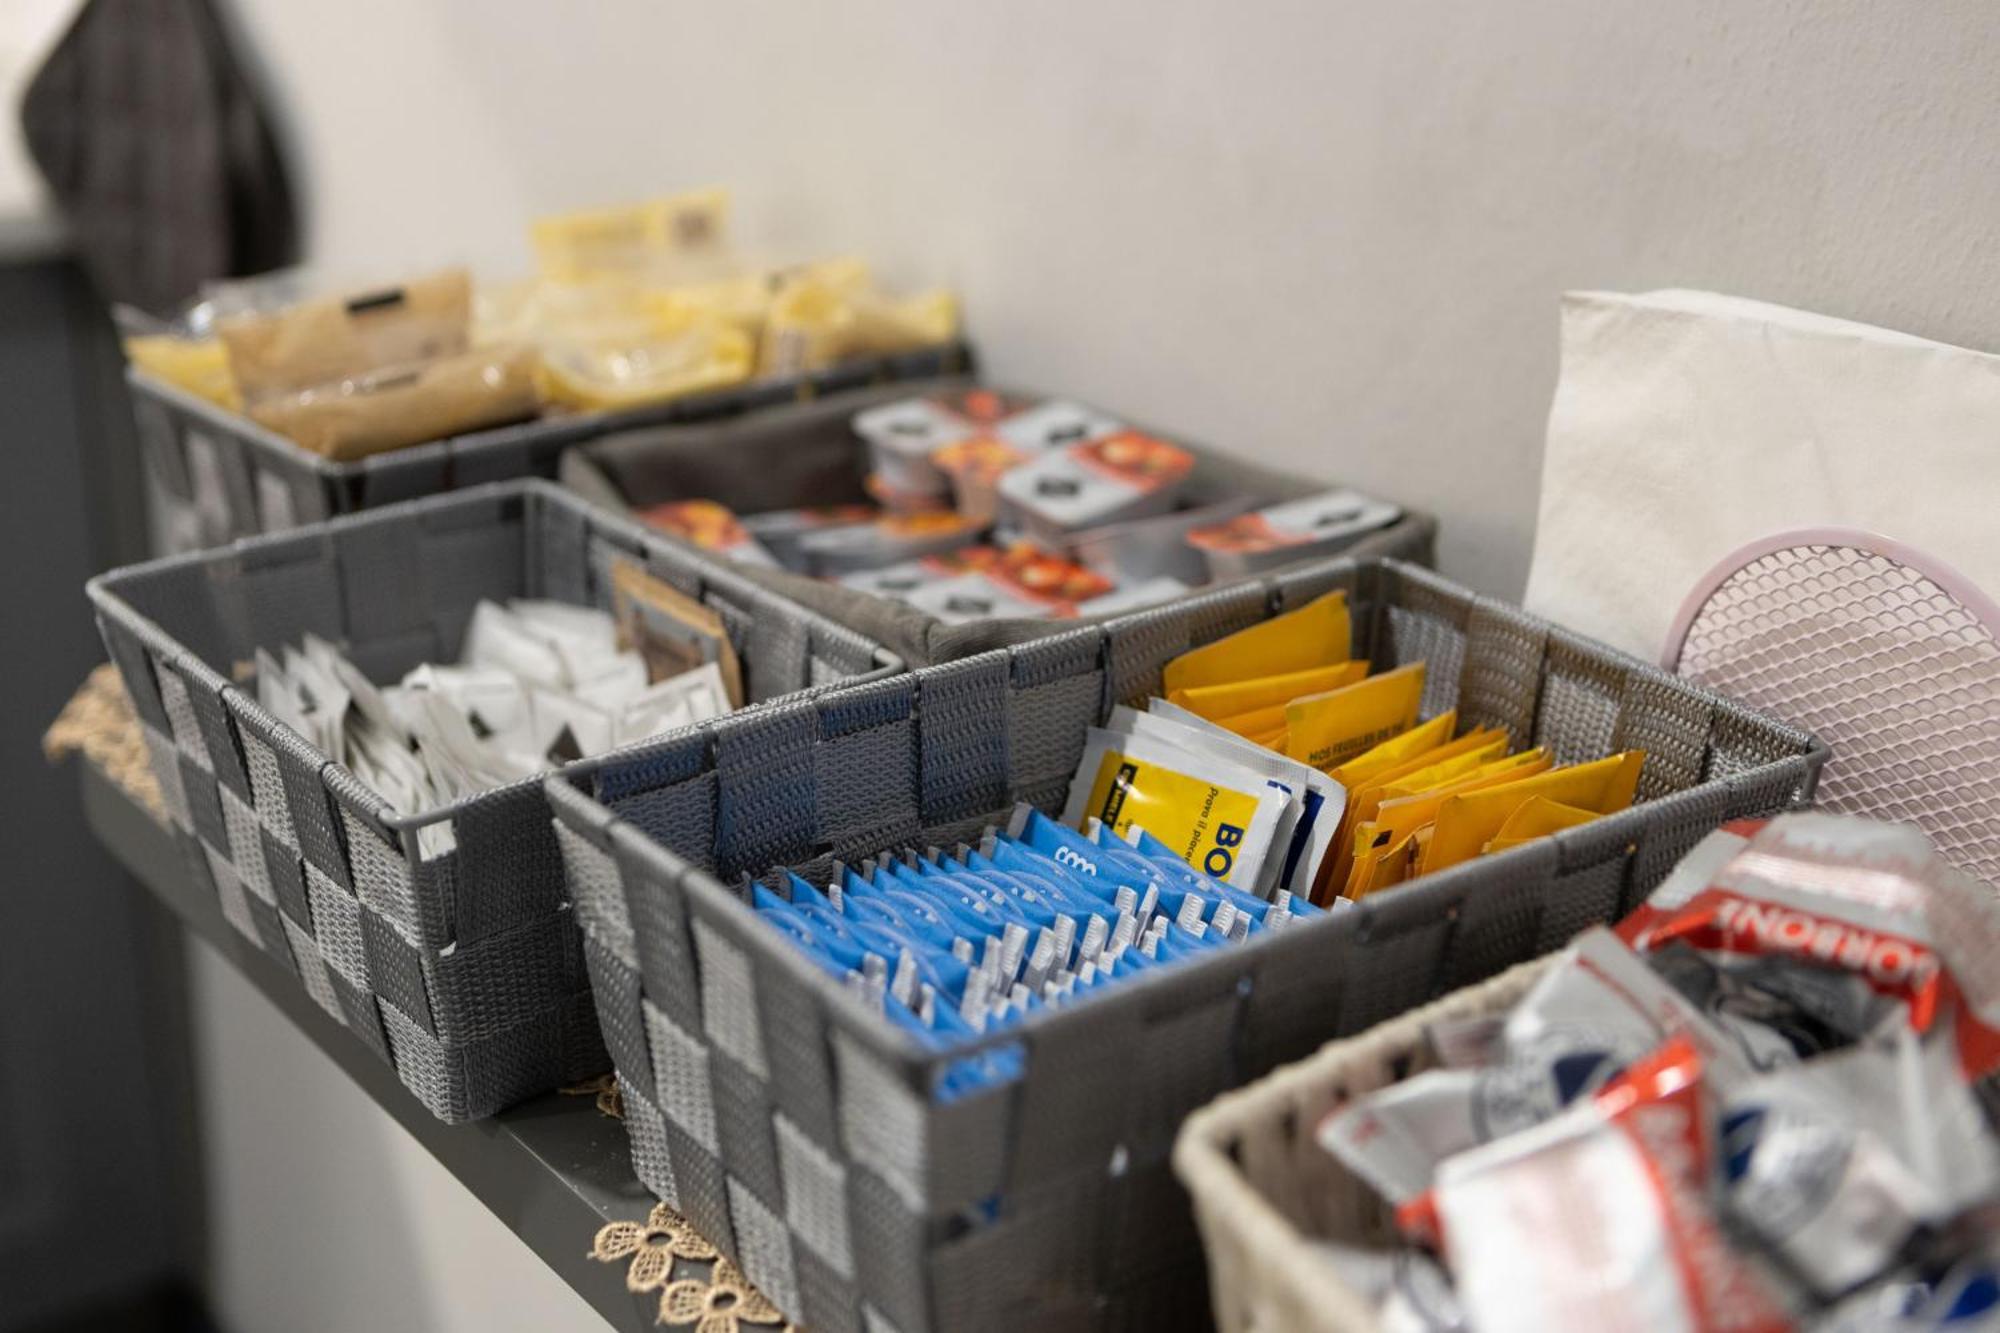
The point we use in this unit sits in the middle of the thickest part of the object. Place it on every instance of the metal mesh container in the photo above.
(463, 969)
(799, 1130)
(213, 475)
(808, 454)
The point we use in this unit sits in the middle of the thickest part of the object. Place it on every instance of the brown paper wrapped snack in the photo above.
(403, 405)
(334, 338)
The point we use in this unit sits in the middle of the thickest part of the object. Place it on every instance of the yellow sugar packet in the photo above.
(1329, 729)
(1216, 702)
(1317, 634)
(1537, 818)
(1469, 820)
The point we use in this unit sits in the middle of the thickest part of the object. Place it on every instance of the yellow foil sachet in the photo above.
(1468, 821)
(1326, 730)
(1216, 702)
(1384, 864)
(1397, 750)
(1537, 817)
(1406, 814)
(1318, 634)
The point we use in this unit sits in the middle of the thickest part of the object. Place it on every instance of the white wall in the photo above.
(1320, 233)
(1324, 233)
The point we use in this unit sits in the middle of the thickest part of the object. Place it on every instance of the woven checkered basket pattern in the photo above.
(799, 1131)
(464, 969)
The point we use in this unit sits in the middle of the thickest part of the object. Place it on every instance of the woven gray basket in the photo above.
(463, 969)
(796, 1128)
(213, 475)
(807, 454)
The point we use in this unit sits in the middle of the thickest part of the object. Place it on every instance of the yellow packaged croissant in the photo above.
(198, 365)
(670, 361)
(827, 313)
(630, 241)
(1215, 702)
(1326, 730)
(1316, 635)
(1466, 822)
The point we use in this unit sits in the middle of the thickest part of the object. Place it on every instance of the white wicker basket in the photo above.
(1265, 1191)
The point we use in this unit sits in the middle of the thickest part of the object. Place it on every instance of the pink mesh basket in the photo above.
(1885, 653)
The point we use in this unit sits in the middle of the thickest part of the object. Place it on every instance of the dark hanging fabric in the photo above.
(157, 151)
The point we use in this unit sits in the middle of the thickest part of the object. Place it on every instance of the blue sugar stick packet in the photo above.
(1072, 850)
(1010, 854)
(1032, 908)
(941, 918)
(967, 903)
(800, 924)
(1150, 847)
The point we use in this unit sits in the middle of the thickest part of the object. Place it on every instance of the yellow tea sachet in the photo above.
(1393, 759)
(1397, 750)
(1329, 729)
(1317, 634)
(1215, 702)
(1384, 865)
(1406, 814)
(1254, 725)
(1537, 818)
(1468, 821)
(1446, 771)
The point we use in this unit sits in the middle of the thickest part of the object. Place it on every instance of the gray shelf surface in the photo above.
(553, 1170)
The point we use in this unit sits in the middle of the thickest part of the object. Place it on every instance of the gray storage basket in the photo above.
(213, 475)
(463, 969)
(807, 454)
(795, 1127)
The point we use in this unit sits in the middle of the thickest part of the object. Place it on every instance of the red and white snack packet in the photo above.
(1871, 899)
(1598, 1009)
(1601, 1218)
(1836, 1165)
